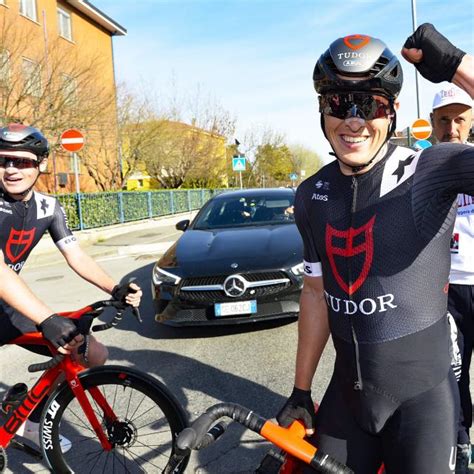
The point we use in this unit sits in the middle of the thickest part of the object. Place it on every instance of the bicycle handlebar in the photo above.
(200, 434)
(42, 366)
(93, 310)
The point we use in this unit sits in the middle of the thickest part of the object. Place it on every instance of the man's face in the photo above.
(452, 123)
(355, 140)
(18, 171)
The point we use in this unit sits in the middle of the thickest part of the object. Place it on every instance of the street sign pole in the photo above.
(240, 174)
(76, 172)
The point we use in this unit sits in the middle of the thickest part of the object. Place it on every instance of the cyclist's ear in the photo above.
(43, 166)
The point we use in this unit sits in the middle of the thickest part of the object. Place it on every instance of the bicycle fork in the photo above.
(96, 394)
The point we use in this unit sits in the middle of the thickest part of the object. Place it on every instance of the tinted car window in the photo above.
(249, 210)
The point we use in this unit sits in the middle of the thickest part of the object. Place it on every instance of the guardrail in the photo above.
(90, 210)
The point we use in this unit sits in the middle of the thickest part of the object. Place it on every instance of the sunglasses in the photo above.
(355, 104)
(19, 163)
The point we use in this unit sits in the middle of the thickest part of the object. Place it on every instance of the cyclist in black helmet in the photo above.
(25, 216)
(376, 226)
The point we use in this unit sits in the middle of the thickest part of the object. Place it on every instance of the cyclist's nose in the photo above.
(354, 123)
(354, 118)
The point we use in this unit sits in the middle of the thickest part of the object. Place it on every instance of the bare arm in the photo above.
(464, 77)
(313, 331)
(90, 271)
(15, 293)
(87, 268)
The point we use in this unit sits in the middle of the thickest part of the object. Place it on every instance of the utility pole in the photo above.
(413, 17)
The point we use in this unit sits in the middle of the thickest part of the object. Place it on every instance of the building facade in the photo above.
(56, 73)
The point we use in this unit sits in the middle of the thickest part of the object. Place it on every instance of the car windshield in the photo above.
(239, 211)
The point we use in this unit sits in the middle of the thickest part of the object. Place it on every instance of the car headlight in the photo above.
(298, 270)
(161, 276)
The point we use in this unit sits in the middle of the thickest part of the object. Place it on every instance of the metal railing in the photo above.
(89, 210)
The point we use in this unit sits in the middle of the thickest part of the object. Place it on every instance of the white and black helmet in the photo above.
(358, 63)
(18, 137)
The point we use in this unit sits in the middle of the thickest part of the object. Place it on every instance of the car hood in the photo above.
(266, 247)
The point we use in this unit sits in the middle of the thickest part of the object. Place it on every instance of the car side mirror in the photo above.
(182, 225)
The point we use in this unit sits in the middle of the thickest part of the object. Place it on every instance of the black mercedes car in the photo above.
(240, 260)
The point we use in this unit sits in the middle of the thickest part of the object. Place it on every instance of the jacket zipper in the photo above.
(358, 385)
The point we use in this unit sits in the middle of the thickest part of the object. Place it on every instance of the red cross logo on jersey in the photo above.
(349, 250)
(21, 240)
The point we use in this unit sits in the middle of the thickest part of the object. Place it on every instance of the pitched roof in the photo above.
(98, 16)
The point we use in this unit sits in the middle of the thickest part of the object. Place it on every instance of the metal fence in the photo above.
(89, 210)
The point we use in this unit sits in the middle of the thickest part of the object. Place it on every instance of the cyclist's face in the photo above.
(452, 123)
(355, 140)
(19, 171)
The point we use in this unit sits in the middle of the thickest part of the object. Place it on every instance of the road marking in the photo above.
(158, 248)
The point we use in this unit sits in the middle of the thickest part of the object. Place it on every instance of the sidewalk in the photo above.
(152, 236)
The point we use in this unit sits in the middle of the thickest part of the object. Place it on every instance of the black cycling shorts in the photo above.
(13, 325)
(420, 436)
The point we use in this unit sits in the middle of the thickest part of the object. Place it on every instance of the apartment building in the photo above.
(57, 72)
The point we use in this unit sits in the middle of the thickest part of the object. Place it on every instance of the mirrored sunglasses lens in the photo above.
(19, 163)
(364, 106)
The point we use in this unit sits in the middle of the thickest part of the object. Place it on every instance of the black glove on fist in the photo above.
(299, 406)
(58, 330)
(440, 57)
(121, 291)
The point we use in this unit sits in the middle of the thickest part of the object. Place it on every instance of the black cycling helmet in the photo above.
(18, 137)
(358, 63)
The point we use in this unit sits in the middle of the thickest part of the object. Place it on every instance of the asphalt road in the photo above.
(250, 365)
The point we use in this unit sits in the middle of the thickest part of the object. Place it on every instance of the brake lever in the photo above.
(136, 313)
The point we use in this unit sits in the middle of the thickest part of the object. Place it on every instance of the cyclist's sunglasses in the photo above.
(355, 104)
(17, 162)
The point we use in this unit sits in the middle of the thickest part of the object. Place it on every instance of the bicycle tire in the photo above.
(139, 401)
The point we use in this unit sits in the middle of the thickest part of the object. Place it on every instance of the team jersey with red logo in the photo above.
(381, 242)
(22, 224)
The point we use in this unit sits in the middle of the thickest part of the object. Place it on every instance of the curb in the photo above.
(88, 238)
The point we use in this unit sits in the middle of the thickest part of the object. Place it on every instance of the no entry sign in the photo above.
(421, 129)
(72, 140)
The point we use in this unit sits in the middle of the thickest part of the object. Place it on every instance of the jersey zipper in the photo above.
(358, 385)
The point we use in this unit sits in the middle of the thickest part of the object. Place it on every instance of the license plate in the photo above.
(237, 307)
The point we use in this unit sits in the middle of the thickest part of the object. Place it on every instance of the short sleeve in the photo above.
(311, 260)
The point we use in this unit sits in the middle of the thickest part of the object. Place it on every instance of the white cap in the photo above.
(451, 94)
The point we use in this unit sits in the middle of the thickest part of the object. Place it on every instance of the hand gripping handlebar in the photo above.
(87, 315)
(203, 432)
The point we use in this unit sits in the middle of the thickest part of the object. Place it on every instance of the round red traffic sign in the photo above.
(421, 129)
(72, 140)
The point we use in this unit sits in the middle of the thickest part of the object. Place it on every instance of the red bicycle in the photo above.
(117, 418)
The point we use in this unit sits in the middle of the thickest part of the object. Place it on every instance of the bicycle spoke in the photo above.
(140, 429)
(138, 406)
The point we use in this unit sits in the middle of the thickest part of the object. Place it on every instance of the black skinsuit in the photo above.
(380, 240)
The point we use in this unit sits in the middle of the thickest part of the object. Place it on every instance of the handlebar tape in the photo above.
(57, 359)
(327, 465)
(192, 437)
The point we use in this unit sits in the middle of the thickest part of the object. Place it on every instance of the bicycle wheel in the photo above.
(148, 418)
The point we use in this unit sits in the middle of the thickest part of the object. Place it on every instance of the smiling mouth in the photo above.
(350, 139)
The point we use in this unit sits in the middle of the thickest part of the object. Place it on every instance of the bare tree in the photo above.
(181, 151)
(53, 87)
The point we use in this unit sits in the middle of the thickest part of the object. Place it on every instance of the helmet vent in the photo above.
(378, 66)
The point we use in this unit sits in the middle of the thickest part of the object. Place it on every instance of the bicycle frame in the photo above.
(47, 381)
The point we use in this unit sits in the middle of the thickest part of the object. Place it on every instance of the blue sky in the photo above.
(256, 57)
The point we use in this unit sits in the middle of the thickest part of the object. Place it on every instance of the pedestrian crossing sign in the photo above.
(238, 163)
